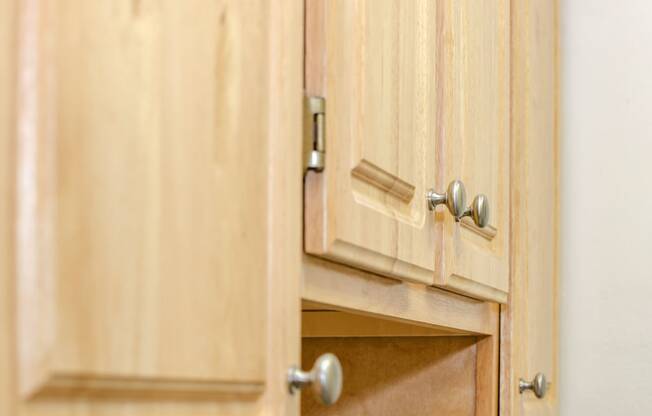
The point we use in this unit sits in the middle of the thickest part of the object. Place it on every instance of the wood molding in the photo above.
(467, 286)
(381, 179)
(352, 290)
(489, 232)
(70, 384)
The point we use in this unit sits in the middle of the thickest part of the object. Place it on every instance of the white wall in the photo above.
(606, 271)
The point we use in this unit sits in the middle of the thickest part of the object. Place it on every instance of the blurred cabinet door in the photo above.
(417, 95)
(143, 207)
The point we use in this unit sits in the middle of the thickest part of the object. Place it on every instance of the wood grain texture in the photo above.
(374, 64)
(285, 204)
(124, 234)
(342, 288)
(8, 64)
(487, 375)
(398, 376)
(473, 143)
(530, 322)
(157, 152)
(330, 324)
(417, 95)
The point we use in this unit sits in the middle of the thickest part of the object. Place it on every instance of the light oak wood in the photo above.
(487, 375)
(343, 288)
(374, 62)
(285, 202)
(141, 133)
(530, 322)
(417, 94)
(124, 235)
(328, 323)
(473, 143)
(137, 153)
(7, 129)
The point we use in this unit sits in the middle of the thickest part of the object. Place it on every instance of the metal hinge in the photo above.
(314, 133)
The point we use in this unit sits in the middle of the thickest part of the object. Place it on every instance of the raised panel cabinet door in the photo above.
(374, 63)
(146, 279)
(473, 143)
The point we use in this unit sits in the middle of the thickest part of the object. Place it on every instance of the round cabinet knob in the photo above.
(454, 198)
(478, 211)
(325, 378)
(538, 385)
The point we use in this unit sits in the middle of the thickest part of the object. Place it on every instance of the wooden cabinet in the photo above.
(161, 245)
(417, 95)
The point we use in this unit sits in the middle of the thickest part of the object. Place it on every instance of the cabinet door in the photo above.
(147, 281)
(473, 70)
(374, 62)
(417, 95)
(530, 322)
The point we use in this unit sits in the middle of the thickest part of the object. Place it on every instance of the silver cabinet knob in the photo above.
(538, 385)
(325, 378)
(454, 198)
(478, 211)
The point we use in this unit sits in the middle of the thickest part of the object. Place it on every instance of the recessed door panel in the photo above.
(142, 256)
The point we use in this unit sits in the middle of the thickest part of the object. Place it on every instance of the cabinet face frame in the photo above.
(403, 309)
(393, 133)
(529, 323)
